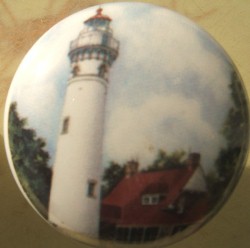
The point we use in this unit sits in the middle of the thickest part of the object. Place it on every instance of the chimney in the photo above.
(193, 160)
(131, 168)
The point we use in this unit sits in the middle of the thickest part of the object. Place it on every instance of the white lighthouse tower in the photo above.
(75, 192)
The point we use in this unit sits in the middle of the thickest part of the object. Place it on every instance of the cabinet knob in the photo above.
(126, 124)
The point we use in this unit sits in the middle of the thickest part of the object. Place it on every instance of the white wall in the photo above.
(78, 158)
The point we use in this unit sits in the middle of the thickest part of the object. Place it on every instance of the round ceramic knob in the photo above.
(126, 124)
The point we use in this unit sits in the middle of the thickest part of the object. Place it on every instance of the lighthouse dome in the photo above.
(98, 18)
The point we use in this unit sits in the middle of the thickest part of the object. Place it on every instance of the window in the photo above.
(105, 39)
(181, 205)
(91, 188)
(122, 234)
(103, 69)
(145, 200)
(136, 234)
(65, 127)
(74, 58)
(151, 233)
(75, 71)
(152, 199)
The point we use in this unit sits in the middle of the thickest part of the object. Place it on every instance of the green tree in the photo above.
(30, 159)
(235, 127)
(165, 161)
(235, 130)
(111, 177)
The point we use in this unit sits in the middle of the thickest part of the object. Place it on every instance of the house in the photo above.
(145, 206)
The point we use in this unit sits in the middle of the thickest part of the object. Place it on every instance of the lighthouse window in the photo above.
(105, 39)
(91, 188)
(81, 56)
(65, 127)
(74, 58)
(102, 70)
(75, 71)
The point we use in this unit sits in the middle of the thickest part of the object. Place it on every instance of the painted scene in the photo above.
(128, 123)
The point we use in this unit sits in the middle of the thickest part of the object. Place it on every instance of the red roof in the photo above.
(130, 188)
(123, 205)
(99, 15)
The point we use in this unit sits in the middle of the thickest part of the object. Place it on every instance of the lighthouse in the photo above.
(75, 191)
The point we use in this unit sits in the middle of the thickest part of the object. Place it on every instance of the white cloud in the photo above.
(165, 50)
(166, 122)
(168, 90)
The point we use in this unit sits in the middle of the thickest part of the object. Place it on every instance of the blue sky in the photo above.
(168, 87)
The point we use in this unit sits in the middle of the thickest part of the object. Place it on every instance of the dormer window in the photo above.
(152, 199)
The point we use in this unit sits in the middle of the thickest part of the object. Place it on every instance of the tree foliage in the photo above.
(111, 177)
(165, 161)
(235, 131)
(235, 126)
(29, 158)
